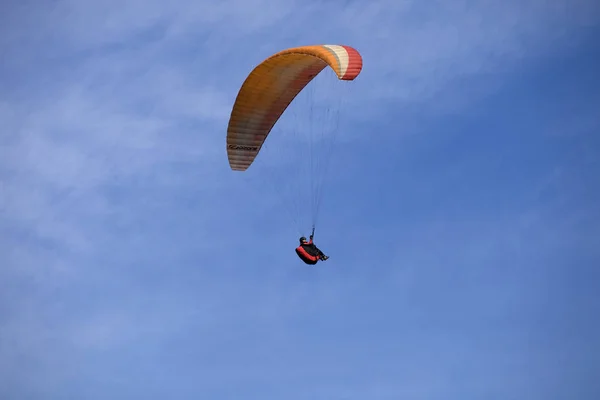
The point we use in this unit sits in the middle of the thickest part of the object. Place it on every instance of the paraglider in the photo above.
(309, 252)
(263, 98)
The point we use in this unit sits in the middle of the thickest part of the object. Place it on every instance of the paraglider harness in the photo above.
(308, 252)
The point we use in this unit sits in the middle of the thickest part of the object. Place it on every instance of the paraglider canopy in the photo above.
(271, 87)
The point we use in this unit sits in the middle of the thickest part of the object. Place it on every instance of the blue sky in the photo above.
(461, 212)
